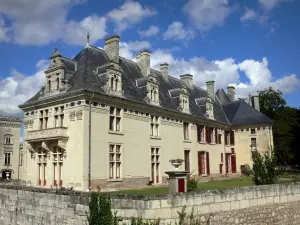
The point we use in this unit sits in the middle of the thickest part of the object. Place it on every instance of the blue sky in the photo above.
(251, 44)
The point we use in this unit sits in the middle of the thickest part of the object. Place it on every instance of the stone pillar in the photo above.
(143, 60)
(187, 79)
(164, 69)
(177, 181)
(210, 86)
(231, 93)
(112, 47)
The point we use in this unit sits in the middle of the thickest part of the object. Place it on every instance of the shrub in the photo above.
(264, 168)
(192, 185)
(100, 211)
(248, 171)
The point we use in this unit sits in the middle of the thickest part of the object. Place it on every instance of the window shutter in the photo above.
(200, 163)
(225, 137)
(206, 134)
(207, 163)
(198, 133)
(233, 163)
(221, 157)
(216, 136)
(232, 137)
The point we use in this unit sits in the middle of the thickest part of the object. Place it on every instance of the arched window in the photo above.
(112, 83)
(49, 85)
(57, 83)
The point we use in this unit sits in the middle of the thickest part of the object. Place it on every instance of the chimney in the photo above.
(143, 60)
(187, 79)
(231, 93)
(112, 47)
(255, 102)
(164, 69)
(210, 86)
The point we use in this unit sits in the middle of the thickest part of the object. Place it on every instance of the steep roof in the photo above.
(90, 75)
(241, 113)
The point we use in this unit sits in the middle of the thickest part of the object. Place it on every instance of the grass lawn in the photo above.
(210, 185)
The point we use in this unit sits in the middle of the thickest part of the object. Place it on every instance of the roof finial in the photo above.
(88, 39)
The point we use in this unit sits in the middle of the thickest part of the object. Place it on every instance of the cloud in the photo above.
(151, 31)
(249, 14)
(128, 49)
(128, 14)
(3, 31)
(177, 31)
(268, 5)
(39, 22)
(206, 14)
(18, 88)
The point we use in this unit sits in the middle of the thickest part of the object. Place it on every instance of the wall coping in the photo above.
(65, 191)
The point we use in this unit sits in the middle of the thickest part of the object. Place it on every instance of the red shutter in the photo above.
(181, 185)
(233, 163)
(206, 134)
(232, 137)
(216, 135)
(225, 137)
(207, 163)
(200, 163)
(226, 162)
(221, 157)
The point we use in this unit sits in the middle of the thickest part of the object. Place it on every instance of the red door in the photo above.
(226, 161)
(180, 185)
(200, 163)
(207, 163)
(221, 168)
(233, 163)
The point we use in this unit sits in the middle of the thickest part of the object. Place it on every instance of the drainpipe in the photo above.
(90, 132)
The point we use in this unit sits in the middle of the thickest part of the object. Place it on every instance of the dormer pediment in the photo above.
(113, 77)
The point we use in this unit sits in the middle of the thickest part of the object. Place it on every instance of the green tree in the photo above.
(270, 101)
(264, 168)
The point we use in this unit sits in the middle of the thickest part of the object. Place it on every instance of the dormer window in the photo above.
(49, 85)
(152, 90)
(184, 101)
(57, 83)
(209, 108)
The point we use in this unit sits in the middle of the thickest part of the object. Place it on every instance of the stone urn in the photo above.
(176, 163)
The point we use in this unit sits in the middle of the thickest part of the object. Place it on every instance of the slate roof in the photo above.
(90, 76)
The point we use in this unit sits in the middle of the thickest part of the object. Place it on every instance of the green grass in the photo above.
(210, 185)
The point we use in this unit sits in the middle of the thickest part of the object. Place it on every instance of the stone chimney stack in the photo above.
(231, 93)
(210, 86)
(187, 79)
(143, 60)
(255, 102)
(164, 69)
(112, 48)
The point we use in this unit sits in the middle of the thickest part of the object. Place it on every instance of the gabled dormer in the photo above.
(56, 73)
(209, 105)
(152, 90)
(184, 104)
(114, 79)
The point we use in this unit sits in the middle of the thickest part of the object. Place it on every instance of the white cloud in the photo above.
(128, 49)
(151, 31)
(18, 88)
(205, 14)
(177, 31)
(249, 14)
(128, 14)
(268, 5)
(3, 31)
(38, 22)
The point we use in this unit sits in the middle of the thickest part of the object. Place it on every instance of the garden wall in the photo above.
(274, 204)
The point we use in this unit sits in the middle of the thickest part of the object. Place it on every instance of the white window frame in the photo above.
(115, 160)
(155, 161)
(115, 119)
(186, 131)
(154, 126)
(7, 158)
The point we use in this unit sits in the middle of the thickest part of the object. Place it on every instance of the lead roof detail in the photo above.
(92, 63)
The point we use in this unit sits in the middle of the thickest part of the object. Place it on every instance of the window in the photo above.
(154, 126)
(57, 83)
(43, 119)
(208, 132)
(7, 159)
(200, 133)
(114, 161)
(57, 161)
(155, 155)
(21, 159)
(219, 138)
(253, 143)
(42, 166)
(8, 140)
(222, 157)
(203, 163)
(253, 131)
(115, 119)
(49, 85)
(56, 121)
(186, 131)
(232, 141)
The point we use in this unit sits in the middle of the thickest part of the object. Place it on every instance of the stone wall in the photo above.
(274, 204)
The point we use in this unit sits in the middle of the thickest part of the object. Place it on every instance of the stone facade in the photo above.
(268, 205)
(10, 147)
